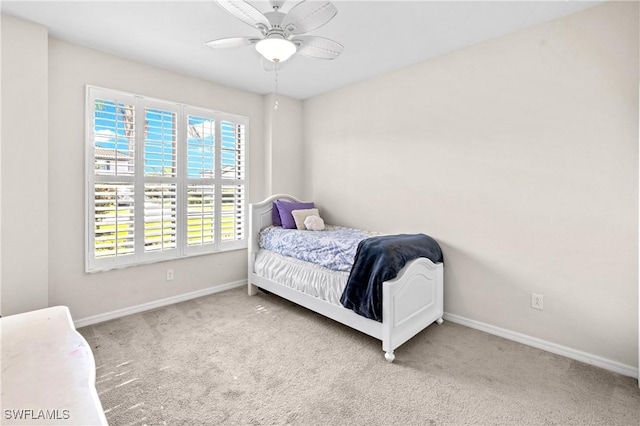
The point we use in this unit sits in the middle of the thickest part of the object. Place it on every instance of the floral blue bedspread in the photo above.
(334, 248)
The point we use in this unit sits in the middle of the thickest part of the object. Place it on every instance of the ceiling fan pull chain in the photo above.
(275, 107)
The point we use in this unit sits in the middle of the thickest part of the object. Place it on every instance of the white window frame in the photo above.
(181, 181)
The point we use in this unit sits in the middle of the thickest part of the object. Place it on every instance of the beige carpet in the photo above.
(234, 359)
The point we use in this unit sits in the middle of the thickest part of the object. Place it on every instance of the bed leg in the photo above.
(440, 321)
(389, 356)
(252, 289)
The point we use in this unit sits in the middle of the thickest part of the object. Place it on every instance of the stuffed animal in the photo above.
(314, 223)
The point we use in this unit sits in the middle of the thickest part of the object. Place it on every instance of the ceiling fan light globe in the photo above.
(276, 49)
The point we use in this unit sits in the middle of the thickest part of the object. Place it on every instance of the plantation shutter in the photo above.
(160, 180)
(232, 180)
(201, 182)
(215, 181)
(111, 180)
(113, 223)
(163, 180)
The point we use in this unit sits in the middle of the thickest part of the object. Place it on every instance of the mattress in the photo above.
(305, 277)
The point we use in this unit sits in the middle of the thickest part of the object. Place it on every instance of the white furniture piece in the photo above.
(48, 371)
(411, 301)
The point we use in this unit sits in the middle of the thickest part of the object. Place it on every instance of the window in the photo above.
(163, 180)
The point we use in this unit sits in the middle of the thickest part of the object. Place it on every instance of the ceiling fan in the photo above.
(282, 32)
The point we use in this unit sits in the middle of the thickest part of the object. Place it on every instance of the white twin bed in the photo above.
(410, 302)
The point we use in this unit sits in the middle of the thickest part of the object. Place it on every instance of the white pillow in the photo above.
(314, 223)
(300, 215)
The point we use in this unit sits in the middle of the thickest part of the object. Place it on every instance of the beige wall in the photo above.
(520, 155)
(71, 67)
(24, 167)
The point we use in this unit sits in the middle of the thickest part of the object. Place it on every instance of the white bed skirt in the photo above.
(305, 277)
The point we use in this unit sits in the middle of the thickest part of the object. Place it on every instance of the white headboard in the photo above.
(261, 216)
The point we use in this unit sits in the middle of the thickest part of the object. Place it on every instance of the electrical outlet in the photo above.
(537, 301)
(169, 274)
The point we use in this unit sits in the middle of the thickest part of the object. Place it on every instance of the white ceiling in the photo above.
(378, 36)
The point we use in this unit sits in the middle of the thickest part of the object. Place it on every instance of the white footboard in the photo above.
(411, 301)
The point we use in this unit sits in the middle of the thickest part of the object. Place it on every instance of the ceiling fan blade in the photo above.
(272, 66)
(246, 13)
(318, 47)
(307, 16)
(224, 43)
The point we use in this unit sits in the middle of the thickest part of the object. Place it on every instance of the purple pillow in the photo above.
(286, 207)
(275, 214)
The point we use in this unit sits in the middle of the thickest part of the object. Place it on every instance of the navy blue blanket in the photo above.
(377, 260)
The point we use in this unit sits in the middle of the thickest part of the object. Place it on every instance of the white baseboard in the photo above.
(595, 360)
(83, 322)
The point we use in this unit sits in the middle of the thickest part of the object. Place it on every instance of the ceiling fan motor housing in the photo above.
(275, 19)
